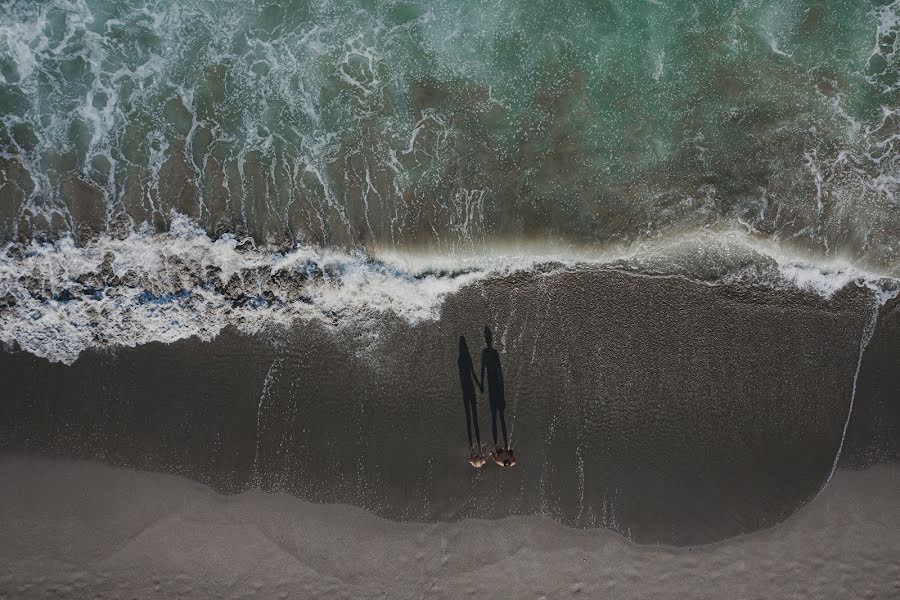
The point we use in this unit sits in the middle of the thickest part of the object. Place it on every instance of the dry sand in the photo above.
(86, 530)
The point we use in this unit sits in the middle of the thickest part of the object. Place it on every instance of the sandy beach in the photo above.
(76, 529)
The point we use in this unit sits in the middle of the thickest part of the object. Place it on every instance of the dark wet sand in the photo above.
(86, 530)
(665, 410)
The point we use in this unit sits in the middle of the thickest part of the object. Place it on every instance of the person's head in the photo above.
(488, 336)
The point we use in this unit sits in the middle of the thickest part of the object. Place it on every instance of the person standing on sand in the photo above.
(468, 380)
(490, 365)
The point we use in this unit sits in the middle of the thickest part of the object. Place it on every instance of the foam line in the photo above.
(59, 299)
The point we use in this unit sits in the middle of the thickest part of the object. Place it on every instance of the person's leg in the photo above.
(475, 419)
(503, 426)
(468, 421)
(494, 423)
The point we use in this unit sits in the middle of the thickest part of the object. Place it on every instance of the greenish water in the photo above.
(442, 124)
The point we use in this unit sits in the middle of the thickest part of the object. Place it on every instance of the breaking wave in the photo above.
(59, 299)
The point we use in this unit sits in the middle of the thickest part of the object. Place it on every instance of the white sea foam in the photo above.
(165, 290)
(57, 300)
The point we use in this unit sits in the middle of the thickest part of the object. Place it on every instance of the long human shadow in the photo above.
(468, 380)
(491, 367)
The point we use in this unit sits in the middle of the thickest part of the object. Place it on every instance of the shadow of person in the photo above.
(468, 380)
(490, 366)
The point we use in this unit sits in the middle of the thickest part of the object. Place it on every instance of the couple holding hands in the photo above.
(492, 375)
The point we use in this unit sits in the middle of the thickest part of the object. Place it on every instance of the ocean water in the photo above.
(438, 123)
(169, 168)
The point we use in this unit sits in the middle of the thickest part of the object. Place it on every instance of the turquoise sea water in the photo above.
(450, 123)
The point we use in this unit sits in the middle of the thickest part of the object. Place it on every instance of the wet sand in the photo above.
(84, 530)
(665, 410)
